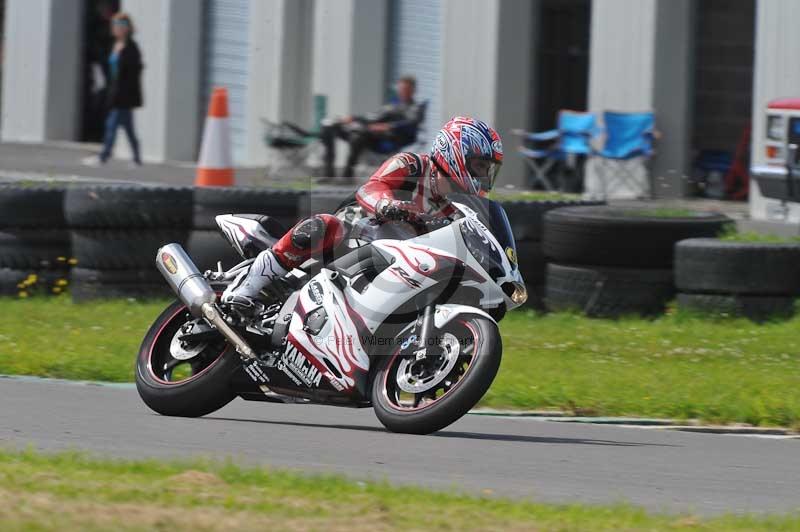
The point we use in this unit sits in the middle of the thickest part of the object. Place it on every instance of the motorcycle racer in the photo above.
(466, 157)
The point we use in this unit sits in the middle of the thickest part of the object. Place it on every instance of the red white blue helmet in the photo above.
(469, 153)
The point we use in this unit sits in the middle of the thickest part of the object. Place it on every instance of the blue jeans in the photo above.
(120, 117)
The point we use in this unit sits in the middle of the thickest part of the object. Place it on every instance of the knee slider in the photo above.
(307, 233)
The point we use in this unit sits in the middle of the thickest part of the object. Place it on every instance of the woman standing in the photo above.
(125, 88)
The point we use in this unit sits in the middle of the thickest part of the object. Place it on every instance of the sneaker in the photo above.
(94, 161)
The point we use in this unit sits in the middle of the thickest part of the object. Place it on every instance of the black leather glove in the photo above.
(433, 223)
(396, 210)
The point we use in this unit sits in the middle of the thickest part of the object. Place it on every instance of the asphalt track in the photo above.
(511, 457)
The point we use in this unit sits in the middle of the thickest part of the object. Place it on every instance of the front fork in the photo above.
(426, 329)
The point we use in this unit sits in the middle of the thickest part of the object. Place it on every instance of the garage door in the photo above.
(416, 48)
(226, 30)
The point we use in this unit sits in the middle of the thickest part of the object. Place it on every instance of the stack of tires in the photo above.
(206, 245)
(759, 281)
(34, 241)
(609, 262)
(527, 223)
(116, 231)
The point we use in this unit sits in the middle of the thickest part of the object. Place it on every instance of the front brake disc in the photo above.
(434, 370)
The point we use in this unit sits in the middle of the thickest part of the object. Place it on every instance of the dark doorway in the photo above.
(723, 72)
(96, 50)
(723, 96)
(562, 54)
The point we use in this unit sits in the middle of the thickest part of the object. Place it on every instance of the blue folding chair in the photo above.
(568, 147)
(628, 149)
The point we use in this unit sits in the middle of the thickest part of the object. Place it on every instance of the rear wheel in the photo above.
(179, 378)
(424, 396)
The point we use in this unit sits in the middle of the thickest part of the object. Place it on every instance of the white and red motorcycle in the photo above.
(405, 324)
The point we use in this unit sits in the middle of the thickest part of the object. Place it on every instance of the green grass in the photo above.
(531, 195)
(56, 338)
(757, 238)
(73, 492)
(678, 366)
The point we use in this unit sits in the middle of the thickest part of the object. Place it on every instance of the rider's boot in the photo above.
(243, 294)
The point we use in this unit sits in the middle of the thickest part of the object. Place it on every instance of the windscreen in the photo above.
(493, 216)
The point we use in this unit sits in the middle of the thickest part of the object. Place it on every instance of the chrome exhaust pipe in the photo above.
(194, 291)
(185, 279)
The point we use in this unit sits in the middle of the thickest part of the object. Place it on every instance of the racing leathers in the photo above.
(404, 188)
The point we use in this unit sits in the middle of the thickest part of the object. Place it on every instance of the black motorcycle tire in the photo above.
(456, 402)
(200, 395)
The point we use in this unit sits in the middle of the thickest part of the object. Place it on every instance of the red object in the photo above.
(406, 177)
(460, 140)
(323, 233)
(737, 181)
(785, 103)
(215, 167)
(218, 107)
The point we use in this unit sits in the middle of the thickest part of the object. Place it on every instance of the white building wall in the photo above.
(487, 65)
(279, 83)
(169, 33)
(349, 59)
(642, 60)
(42, 70)
(776, 76)
(776, 72)
(622, 53)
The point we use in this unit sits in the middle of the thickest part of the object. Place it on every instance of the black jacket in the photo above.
(125, 90)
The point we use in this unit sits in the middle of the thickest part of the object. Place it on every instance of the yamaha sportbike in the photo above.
(404, 323)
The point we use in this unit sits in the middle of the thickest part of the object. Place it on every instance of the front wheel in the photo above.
(184, 379)
(424, 396)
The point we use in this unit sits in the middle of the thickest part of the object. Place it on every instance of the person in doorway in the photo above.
(125, 89)
(389, 130)
(99, 42)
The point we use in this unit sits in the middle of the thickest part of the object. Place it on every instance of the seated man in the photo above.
(396, 124)
(466, 157)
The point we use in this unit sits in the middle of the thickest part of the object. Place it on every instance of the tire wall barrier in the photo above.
(609, 262)
(758, 281)
(527, 222)
(35, 250)
(604, 261)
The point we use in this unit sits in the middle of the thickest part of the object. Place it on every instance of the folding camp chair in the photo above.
(623, 163)
(291, 143)
(566, 148)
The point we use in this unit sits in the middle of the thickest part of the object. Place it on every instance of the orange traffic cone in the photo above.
(215, 167)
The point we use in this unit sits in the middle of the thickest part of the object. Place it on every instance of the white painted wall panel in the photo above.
(350, 54)
(168, 32)
(642, 60)
(623, 47)
(487, 68)
(41, 71)
(777, 74)
(416, 49)
(279, 74)
(226, 51)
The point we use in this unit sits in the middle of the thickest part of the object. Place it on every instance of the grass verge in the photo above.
(531, 195)
(678, 366)
(73, 492)
(749, 237)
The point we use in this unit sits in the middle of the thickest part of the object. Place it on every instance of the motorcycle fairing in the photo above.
(333, 326)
